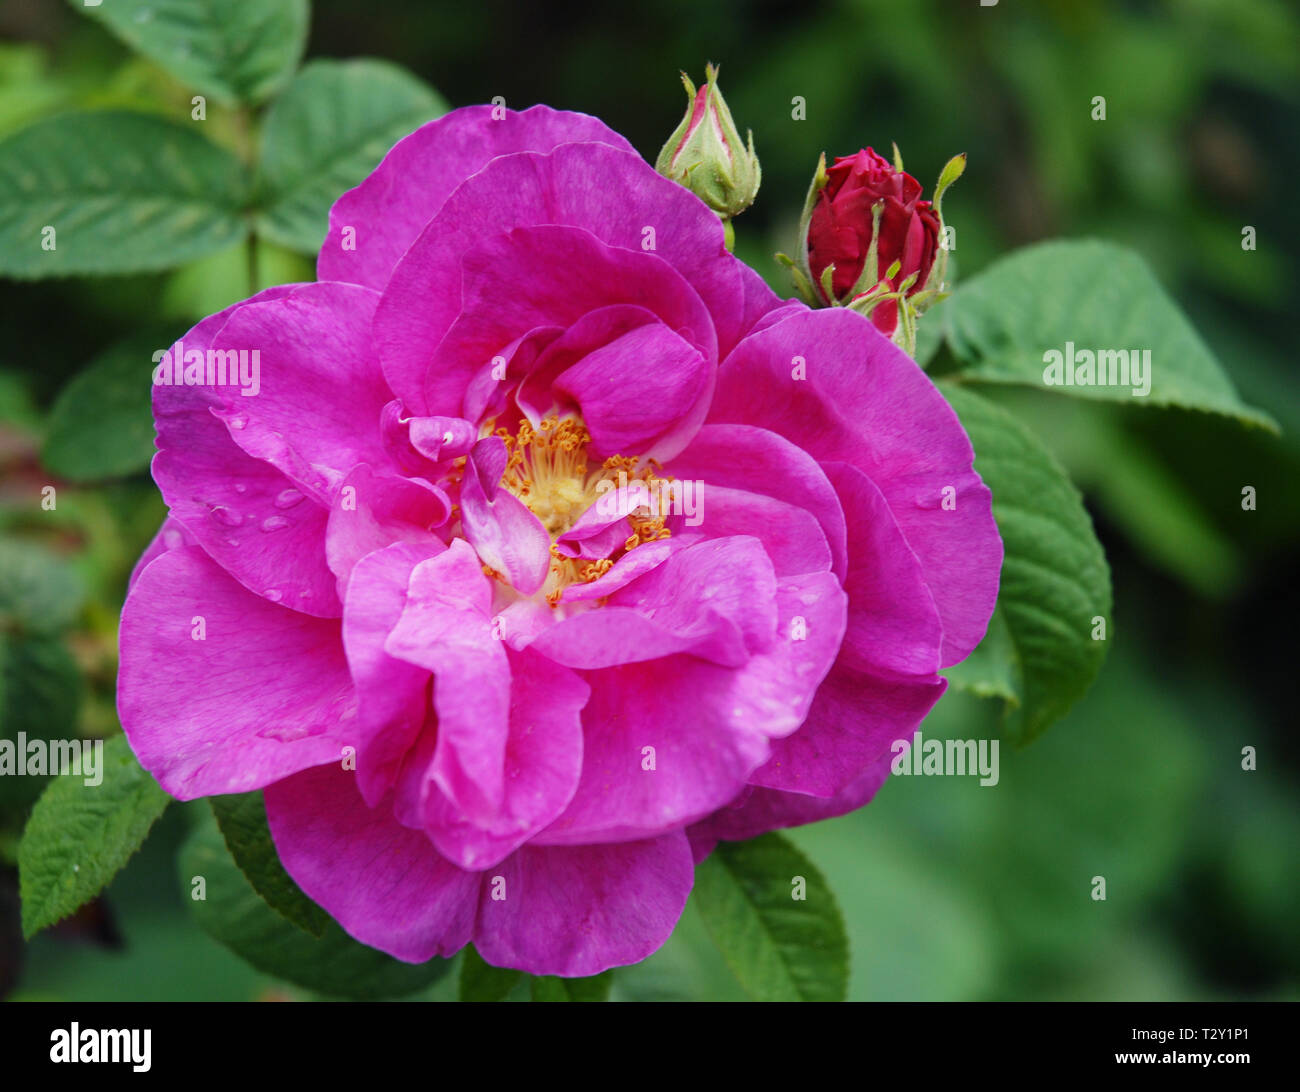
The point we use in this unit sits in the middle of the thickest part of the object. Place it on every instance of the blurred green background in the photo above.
(950, 891)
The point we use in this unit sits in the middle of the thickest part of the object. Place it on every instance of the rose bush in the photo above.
(482, 706)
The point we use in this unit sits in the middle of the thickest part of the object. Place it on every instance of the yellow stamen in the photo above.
(547, 468)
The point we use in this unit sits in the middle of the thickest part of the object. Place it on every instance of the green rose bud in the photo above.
(706, 154)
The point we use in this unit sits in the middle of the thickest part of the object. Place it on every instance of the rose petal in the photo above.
(505, 534)
(894, 626)
(647, 392)
(373, 512)
(171, 536)
(322, 396)
(393, 695)
(389, 209)
(728, 614)
(496, 311)
(230, 501)
(761, 462)
(866, 403)
(386, 885)
(263, 693)
(445, 629)
(854, 720)
(613, 194)
(542, 763)
(706, 727)
(579, 911)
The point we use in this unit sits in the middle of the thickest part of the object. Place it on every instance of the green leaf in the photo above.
(80, 835)
(551, 988)
(781, 948)
(242, 820)
(233, 50)
(39, 593)
(1131, 482)
(480, 981)
(40, 693)
(234, 914)
(992, 670)
(1039, 654)
(1098, 296)
(101, 424)
(122, 193)
(328, 131)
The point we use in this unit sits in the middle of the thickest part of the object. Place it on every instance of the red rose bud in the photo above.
(707, 155)
(868, 207)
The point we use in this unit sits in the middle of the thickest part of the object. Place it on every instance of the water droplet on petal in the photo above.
(237, 422)
(274, 523)
(222, 514)
(240, 487)
(287, 733)
(288, 498)
(273, 594)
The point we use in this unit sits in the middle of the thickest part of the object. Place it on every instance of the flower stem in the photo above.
(252, 263)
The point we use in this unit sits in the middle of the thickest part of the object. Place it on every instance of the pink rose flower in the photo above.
(491, 693)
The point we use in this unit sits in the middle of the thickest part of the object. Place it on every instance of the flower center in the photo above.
(548, 470)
